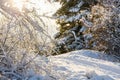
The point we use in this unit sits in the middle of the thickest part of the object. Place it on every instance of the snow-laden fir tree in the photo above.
(73, 19)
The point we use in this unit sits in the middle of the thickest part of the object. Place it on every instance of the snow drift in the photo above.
(85, 65)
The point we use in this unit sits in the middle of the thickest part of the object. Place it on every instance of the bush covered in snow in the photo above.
(22, 39)
(106, 28)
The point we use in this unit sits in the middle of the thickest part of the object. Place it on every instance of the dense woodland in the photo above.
(89, 24)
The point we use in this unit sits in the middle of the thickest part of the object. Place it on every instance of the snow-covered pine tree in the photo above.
(73, 19)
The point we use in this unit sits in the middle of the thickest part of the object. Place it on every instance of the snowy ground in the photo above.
(84, 65)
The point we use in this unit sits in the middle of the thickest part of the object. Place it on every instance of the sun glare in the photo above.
(45, 7)
(18, 4)
(42, 6)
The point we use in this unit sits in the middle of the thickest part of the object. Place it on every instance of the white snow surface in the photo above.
(84, 65)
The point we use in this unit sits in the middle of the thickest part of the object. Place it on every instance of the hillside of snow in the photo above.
(85, 65)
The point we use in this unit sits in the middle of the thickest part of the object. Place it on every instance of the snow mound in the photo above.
(84, 65)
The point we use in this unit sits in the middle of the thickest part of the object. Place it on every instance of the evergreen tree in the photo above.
(73, 19)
